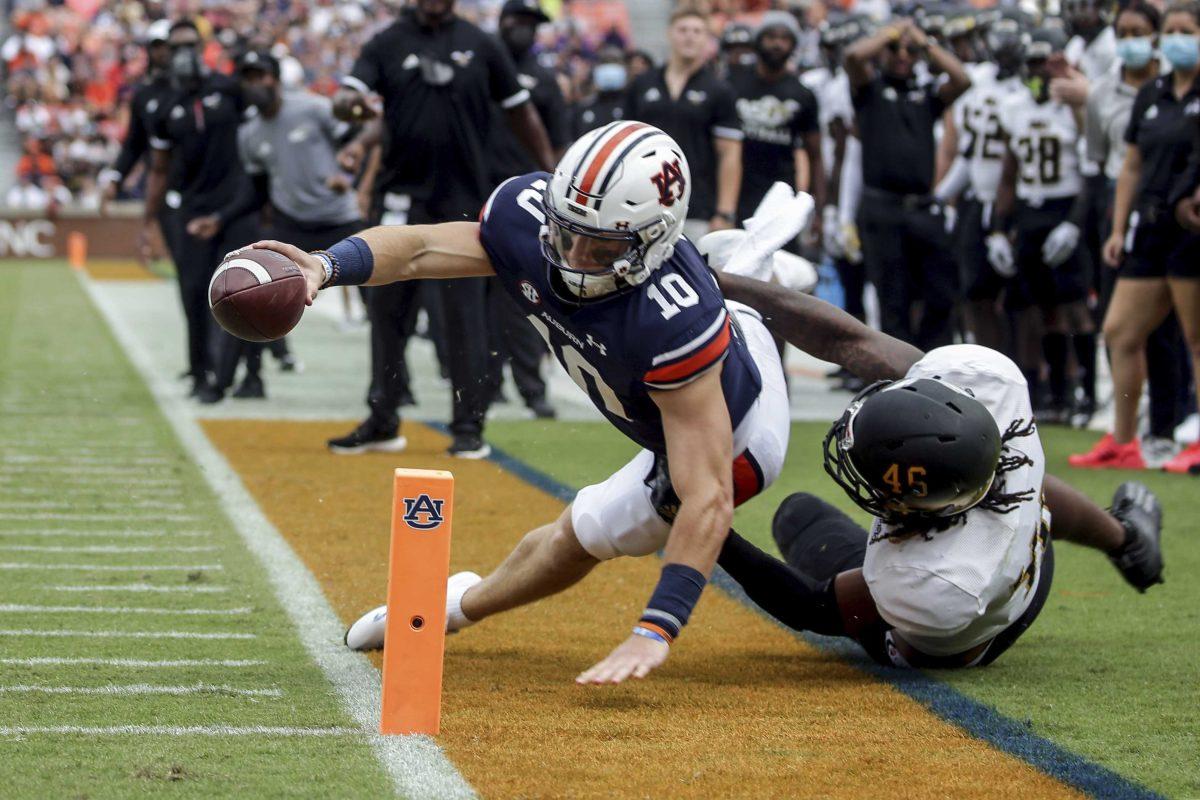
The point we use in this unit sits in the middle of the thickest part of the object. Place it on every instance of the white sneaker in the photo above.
(1157, 451)
(368, 632)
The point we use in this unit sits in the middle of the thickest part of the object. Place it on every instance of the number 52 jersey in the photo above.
(658, 336)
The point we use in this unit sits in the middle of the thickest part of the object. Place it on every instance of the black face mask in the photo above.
(520, 38)
(260, 97)
(773, 59)
(185, 64)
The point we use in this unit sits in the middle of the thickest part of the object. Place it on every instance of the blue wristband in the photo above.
(649, 634)
(355, 262)
(677, 593)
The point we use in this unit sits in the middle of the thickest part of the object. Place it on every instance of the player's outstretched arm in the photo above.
(823, 330)
(392, 253)
(699, 449)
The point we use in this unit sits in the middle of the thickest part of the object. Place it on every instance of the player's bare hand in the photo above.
(719, 223)
(312, 267)
(350, 157)
(145, 243)
(107, 195)
(1187, 212)
(633, 658)
(1113, 249)
(205, 227)
(339, 183)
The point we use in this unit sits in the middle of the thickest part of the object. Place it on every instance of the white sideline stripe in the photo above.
(139, 587)
(142, 688)
(117, 505)
(105, 534)
(107, 548)
(57, 490)
(48, 661)
(417, 765)
(114, 567)
(21, 608)
(105, 460)
(154, 516)
(56, 634)
(173, 730)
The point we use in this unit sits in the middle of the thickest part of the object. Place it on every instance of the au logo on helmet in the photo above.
(423, 512)
(670, 182)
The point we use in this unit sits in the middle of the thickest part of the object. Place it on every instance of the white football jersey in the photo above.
(980, 137)
(1044, 137)
(832, 90)
(962, 586)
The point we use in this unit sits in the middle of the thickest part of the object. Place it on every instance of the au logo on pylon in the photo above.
(423, 512)
(419, 564)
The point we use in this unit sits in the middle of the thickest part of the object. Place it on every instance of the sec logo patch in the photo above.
(531, 293)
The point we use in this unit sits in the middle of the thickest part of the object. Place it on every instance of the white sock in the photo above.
(456, 587)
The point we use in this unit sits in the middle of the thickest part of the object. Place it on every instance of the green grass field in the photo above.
(108, 529)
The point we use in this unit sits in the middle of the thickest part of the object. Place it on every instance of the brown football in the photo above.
(257, 295)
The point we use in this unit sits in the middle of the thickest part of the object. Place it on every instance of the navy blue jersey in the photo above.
(660, 336)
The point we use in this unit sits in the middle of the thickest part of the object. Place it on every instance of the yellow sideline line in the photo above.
(742, 709)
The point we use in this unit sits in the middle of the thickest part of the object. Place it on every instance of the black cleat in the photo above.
(289, 363)
(542, 409)
(1140, 559)
(469, 445)
(367, 438)
(208, 394)
(251, 389)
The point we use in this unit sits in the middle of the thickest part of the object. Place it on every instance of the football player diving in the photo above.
(595, 256)
(942, 450)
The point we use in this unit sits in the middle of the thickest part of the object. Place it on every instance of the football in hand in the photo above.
(257, 295)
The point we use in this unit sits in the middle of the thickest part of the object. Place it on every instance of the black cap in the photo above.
(530, 8)
(259, 60)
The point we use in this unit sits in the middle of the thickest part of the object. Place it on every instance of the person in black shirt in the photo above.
(905, 244)
(439, 78)
(513, 339)
(687, 101)
(1159, 261)
(610, 77)
(149, 99)
(195, 138)
(779, 119)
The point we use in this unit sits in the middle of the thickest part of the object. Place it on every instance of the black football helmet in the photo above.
(914, 449)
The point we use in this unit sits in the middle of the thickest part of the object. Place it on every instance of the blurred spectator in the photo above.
(687, 100)
(1159, 260)
(609, 78)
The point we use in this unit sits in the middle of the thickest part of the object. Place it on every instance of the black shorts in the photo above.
(312, 235)
(1160, 248)
(1037, 284)
(979, 281)
(819, 540)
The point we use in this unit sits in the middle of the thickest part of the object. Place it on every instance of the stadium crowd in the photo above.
(1019, 177)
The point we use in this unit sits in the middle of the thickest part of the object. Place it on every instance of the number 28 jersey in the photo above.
(658, 336)
(1044, 138)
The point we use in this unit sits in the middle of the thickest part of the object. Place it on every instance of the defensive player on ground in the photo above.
(948, 460)
(595, 256)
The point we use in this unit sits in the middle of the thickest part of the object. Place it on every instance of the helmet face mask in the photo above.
(614, 208)
(915, 450)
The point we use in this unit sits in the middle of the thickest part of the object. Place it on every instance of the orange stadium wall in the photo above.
(30, 236)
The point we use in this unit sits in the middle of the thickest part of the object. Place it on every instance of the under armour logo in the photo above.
(668, 179)
(598, 345)
(423, 512)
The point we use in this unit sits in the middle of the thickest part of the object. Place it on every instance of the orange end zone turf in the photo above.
(741, 709)
(419, 564)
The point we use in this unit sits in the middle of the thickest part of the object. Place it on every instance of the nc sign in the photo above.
(26, 238)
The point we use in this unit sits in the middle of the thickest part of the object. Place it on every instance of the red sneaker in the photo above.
(1107, 454)
(1188, 461)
